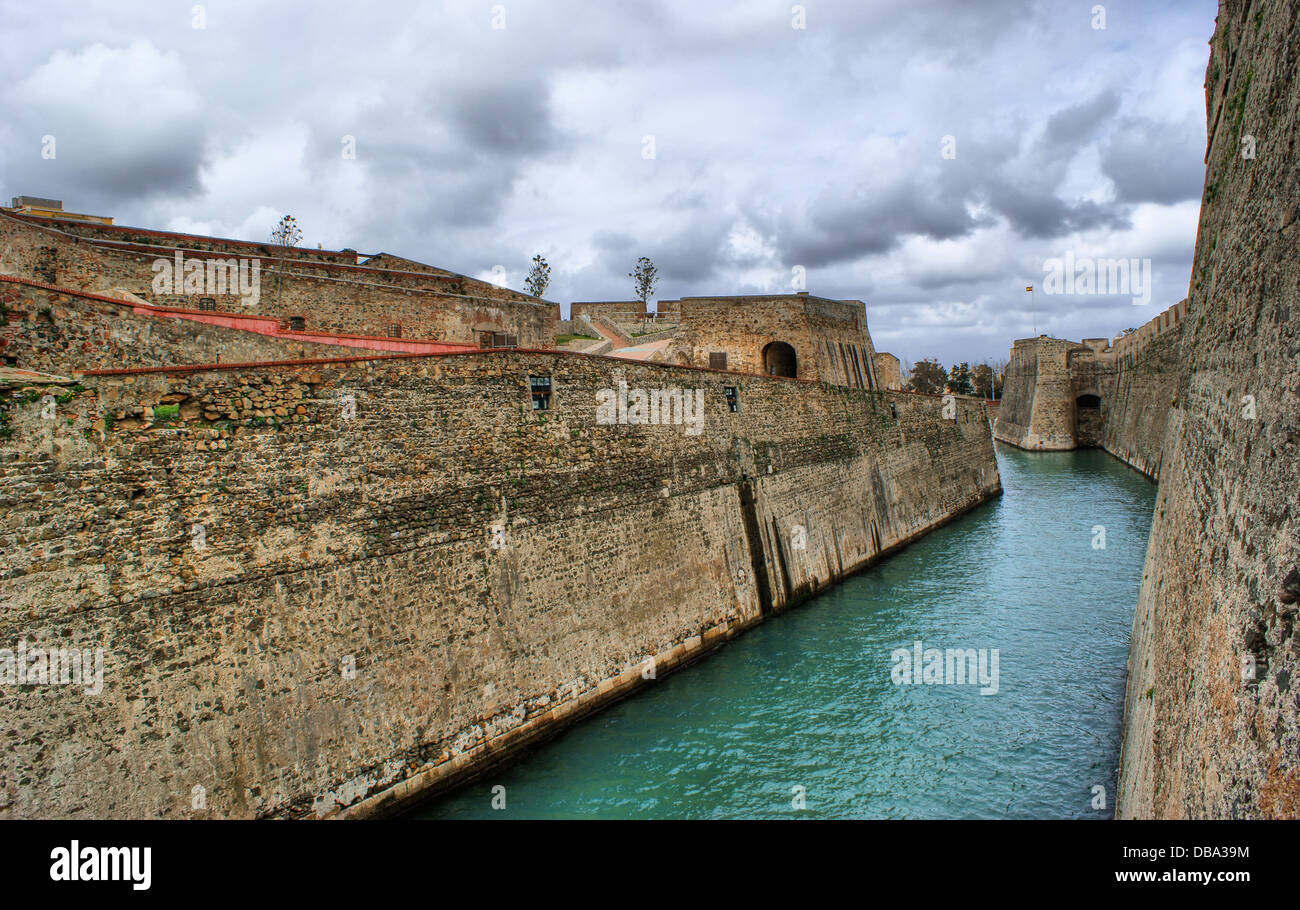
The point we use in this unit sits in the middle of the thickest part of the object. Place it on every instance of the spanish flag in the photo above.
(1030, 288)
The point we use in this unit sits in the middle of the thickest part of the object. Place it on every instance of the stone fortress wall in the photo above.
(330, 585)
(321, 288)
(828, 338)
(54, 331)
(1063, 394)
(408, 573)
(888, 371)
(1211, 723)
(628, 315)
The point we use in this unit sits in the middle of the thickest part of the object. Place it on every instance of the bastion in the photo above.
(1117, 395)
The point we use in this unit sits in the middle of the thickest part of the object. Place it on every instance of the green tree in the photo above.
(644, 278)
(983, 379)
(959, 379)
(927, 376)
(539, 277)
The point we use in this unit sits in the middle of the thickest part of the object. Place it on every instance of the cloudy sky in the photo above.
(720, 139)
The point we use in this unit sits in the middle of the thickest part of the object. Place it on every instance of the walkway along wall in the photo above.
(334, 587)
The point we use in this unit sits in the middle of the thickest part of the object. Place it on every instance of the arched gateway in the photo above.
(779, 360)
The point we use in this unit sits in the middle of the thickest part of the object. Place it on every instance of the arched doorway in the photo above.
(779, 360)
(1087, 420)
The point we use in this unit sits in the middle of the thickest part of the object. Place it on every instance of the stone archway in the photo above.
(779, 360)
(1087, 420)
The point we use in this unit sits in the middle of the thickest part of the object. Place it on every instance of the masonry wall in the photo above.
(1211, 726)
(1038, 396)
(1139, 395)
(830, 337)
(626, 314)
(126, 235)
(1135, 378)
(888, 371)
(330, 296)
(53, 332)
(490, 572)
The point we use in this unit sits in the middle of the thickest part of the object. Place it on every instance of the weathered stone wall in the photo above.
(329, 296)
(126, 235)
(1211, 726)
(405, 572)
(1038, 397)
(830, 337)
(1135, 378)
(888, 371)
(1139, 393)
(626, 314)
(46, 330)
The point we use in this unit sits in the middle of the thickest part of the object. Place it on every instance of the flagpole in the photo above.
(1033, 310)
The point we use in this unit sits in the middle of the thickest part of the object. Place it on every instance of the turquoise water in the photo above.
(806, 700)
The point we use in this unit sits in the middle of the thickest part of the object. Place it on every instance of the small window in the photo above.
(297, 323)
(540, 387)
(717, 360)
(207, 303)
(394, 331)
(733, 400)
(497, 340)
(893, 412)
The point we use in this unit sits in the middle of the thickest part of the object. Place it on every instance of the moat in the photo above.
(806, 700)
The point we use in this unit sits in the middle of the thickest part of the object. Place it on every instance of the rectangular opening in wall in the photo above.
(497, 340)
(394, 331)
(717, 360)
(207, 303)
(733, 400)
(540, 387)
(297, 323)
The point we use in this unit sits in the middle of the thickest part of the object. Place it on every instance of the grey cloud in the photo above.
(1073, 125)
(478, 147)
(512, 120)
(1148, 161)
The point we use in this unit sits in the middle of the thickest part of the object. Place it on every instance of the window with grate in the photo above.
(717, 360)
(733, 400)
(297, 323)
(540, 387)
(207, 303)
(394, 331)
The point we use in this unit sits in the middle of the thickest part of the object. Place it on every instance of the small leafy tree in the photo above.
(286, 235)
(927, 376)
(959, 379)
(982, 378)
(539, 276)
(644, 278)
